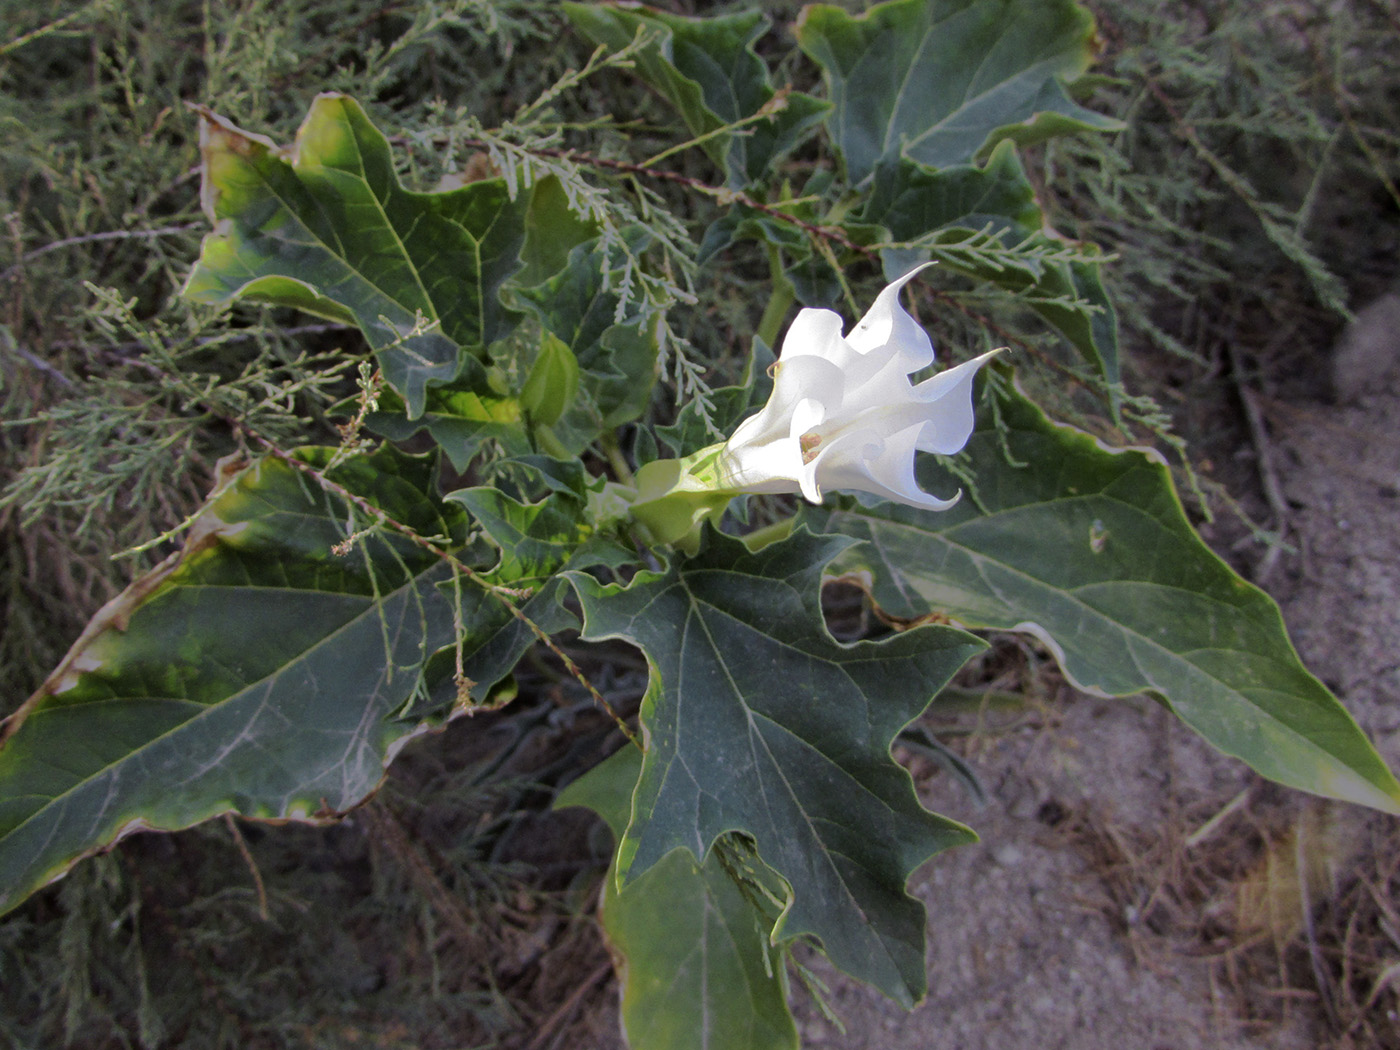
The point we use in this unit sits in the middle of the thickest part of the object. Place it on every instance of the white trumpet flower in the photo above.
(844, 414)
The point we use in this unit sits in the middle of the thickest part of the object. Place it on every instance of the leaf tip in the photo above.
(222, 141)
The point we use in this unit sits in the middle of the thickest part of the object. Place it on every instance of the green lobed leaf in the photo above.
(698, 970)
(943, 81)
(538, 539)
(616, 357)
(552, 230)
(459, 420)
(535, 476)
(940, 210)
(326, 227)
(914, 200)
(708, 69)
(741, 222)
(1089, 549)
(467, 672)
(534, 541)
(756, 721)
(254, 672)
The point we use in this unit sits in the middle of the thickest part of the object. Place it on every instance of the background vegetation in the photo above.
(1255, 145)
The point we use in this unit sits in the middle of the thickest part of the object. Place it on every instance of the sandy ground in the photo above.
(1033, 940)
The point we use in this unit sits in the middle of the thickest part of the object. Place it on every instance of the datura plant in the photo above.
(520, 337)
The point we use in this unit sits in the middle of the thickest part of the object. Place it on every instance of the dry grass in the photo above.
(1297, 903)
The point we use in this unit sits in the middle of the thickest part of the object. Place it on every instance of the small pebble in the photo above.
(1007, 855)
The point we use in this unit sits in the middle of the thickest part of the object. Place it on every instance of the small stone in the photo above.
(1368, 350)
(1007, 855)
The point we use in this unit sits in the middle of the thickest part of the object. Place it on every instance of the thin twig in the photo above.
(567, 1007)
(42, 365)
(118, 349)
(47, 29)
(1264, 460)
(90, 238)
(252, 864)
(1321, 978)
(1215, 823)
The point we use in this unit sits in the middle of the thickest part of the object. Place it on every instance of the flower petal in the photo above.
(815, 333)
(801, 378)
(774, 466)
(886, 325)
(807, 415)
(883, 465)
(949, 427)
(844, 415)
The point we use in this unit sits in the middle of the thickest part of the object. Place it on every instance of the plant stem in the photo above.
(607, 442)
(760, 538)
(784, 295)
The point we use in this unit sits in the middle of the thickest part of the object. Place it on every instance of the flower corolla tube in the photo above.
(844, 413)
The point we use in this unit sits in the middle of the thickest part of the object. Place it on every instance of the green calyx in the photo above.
(675, 497)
